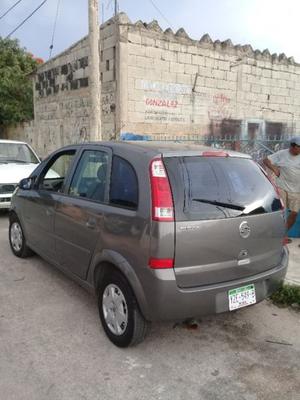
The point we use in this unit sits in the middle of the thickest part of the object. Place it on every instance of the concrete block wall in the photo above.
(62, 95)
(164, 83)
(177, 85)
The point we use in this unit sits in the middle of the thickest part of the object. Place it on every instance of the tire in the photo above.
(120, 316)
(17, 239)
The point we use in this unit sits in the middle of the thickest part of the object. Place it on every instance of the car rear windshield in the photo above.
(213, 188)
(17, 153)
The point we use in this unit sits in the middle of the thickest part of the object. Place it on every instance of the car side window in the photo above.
(123, 185)
(55, 174)
(89, 180)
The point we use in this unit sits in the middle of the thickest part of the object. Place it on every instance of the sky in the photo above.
(272, 24)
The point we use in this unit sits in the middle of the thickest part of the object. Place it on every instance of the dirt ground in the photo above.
(52, 346)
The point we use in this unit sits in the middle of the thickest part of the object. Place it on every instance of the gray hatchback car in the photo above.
(158, 231)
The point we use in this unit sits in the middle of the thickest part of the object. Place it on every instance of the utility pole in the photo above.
(116, 8)
(94, 73)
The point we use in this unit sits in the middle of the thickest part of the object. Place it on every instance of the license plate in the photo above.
(241, 297)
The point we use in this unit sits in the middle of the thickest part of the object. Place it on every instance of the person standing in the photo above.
(286, 166)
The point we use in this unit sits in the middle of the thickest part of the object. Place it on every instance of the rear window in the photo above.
(213, 188)
(124, 184)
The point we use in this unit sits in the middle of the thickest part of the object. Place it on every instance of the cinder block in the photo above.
(136, 117)
(109, 42)
(218, 74)
(152, 52)
(131, 60)
(255, 88)
(136, 95)
(224, 65)
(185, 58)
(143, 62)
(134, 38)
(79, 74)
(109, 54)
(148, 41)
(162, 44)
(131, 105)
(198, 60)
(282, 83)
(207, 72)
(231, 76)
(140, 106)
(190, 69)
(159, 65)
(136, 49)
(168, 76)
(169, 56)
(184, 79)
(176, 68)
(210, 62)
(136, 72)
(210, 82)
(174, 46)
(267, 73)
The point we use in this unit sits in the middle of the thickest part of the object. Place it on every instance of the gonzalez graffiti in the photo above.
(161, 102)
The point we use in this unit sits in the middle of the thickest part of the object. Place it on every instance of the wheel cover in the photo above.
(115, 310)
(16, 236)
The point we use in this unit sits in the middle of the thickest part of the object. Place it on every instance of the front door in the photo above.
(79, 213)
(40, 203)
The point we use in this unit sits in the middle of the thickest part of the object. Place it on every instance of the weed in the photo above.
(287, 295)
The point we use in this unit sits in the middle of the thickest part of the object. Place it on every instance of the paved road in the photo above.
(52, 347)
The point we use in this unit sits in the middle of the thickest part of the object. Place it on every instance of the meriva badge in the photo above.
(244, 230)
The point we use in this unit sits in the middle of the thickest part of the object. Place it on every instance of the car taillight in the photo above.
(162, 201)
(161, 263)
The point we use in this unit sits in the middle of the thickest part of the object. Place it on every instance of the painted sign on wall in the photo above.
(163, 101)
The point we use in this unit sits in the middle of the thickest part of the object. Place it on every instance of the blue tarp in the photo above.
(133, 136)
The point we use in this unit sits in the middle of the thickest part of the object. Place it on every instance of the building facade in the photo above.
(165, 84)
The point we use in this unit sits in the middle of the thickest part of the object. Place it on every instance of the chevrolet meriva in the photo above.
(158, 231)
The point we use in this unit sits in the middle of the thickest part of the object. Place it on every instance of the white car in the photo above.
(17, 161)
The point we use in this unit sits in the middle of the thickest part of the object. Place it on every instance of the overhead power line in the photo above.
(54, 28)
(13, 6)
(160, 12)
(26, 19)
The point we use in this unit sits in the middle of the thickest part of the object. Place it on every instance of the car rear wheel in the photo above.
(121, 318)
(17, 239)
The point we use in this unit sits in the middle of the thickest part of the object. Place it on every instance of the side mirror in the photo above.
(26, 183)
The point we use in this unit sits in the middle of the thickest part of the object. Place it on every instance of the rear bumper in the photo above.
(166, 301)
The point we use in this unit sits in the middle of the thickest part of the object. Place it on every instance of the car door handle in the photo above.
(91, 223)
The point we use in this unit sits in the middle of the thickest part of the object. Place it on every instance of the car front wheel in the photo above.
(121, 318)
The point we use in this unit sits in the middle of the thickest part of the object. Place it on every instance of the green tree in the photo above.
(16, 93)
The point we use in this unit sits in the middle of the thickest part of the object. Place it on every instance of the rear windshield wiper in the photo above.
(221, 204)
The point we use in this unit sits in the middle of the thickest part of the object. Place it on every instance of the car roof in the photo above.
(167, 148)
(12, 141)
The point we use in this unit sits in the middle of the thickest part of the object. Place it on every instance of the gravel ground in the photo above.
(52, 346)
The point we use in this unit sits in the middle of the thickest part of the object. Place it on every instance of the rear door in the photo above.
(229, 222)
(79, 212)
